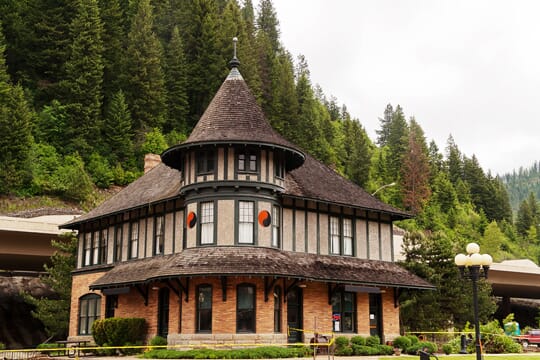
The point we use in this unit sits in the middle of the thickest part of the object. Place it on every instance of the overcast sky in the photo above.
(466, 68)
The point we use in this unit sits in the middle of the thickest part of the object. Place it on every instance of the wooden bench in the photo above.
(72, 348)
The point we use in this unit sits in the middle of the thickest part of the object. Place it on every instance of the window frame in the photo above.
(251, 322)
(204, 220)
(118, 237)
(352, 314)
(103, 245)
(341, 234)
(133, 250)
(87, 248)
(249, 157)
(202, 161)
(158, 244)
(85, 318)
(276, 226)
(198, 309)
(246, 219)
(279, 168)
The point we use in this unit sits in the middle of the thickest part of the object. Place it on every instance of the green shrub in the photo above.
(414, 339)
(373, 340)
(265, 352)
(362, 350)
(447, 349)
(402, 342)
(358, 340)
(344, 351)
(119, 331)
(158, 341)
(384, 349)
(341, 342)
(99, 169)
(495, 341)
(421, 345)
(46, 346)
(2, 346)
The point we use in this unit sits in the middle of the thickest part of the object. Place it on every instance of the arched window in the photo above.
(89, 311)
(245, 308)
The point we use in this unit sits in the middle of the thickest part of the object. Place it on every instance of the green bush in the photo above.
(99, 169)
(384, 349)
(265, 352)
(421, 345)
(119, 331)
(402, 342)
(414, 339)
(362, 350)
(158, 341)
(2, 346)
(358, 340)
(46, 346)
(373, 340)
(447, 349)
(495, 341)
(341, 342)
(344, 351)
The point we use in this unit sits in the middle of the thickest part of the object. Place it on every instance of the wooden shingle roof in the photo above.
(237, 260)
(234, 117)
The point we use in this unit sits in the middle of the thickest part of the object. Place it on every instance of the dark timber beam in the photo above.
(143, 290)
(268, 285)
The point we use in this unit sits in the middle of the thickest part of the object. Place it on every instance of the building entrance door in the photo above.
(163, 312)
(294, 314)
(375, 315)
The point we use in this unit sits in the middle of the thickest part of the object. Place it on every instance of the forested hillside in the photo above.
(87, 87)
(521, 183)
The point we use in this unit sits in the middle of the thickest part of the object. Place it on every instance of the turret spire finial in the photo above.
(234, 63)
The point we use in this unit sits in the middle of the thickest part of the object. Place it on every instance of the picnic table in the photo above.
(72, 348)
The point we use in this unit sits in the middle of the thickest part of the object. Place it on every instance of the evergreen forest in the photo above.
(87, 87)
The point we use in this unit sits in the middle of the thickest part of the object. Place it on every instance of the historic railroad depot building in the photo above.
(239, 236)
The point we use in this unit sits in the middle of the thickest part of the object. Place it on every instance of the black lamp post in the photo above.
(478, 266)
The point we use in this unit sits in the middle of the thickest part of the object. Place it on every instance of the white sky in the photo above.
(466, 68)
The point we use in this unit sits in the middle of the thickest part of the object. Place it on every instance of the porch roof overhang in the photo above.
(259, 261)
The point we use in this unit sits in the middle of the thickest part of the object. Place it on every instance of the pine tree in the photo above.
(454, 161)
(144, 79)
(118, 134)
(54, 313)
(358, 152)
(84, 78)
(268, 23)
(15, 131)
(415, 170)
(203, 53)
(176, 81)
(385, 121)
(113, 17)
(49, 44)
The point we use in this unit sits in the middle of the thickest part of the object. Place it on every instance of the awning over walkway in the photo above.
(237, 260)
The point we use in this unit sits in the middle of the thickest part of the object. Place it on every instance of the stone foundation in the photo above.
(223, 341)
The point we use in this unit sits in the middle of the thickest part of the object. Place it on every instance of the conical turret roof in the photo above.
(234, 117)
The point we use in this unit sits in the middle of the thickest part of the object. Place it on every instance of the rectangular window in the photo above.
(204, 308)
(347, 237)
(87, 249)
(335, 236)
(95, 248)
(207, 223)
(103, 241)
(344, 312)
(205, 162)
(245, 308)
(248, 162)
(118, 232)
(134, 240)
(245, 222)
(277, 309)
(275, 226)
(159, 234)
(278, 166)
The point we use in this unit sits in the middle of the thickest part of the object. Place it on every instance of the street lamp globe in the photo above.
(473, 248)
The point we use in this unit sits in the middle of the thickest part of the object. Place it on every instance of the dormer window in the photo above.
(248, 161)
(206, 161)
